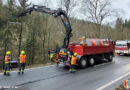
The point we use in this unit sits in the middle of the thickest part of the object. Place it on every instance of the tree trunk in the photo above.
(5, 44)
(20, 38)
(98, 30)
(33, 48)
(48, 43)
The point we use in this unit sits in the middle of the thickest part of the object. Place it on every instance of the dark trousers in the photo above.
(21, 67)
(7, 67)
(72, 66)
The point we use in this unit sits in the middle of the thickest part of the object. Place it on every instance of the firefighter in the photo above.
(22, 62)
(70, 54)
(51, 56)
(63, 55)
(73, 62)
(7, 63)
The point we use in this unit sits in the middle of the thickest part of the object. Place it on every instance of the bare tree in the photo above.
(23, 6)
(68, 5)
(97, 11)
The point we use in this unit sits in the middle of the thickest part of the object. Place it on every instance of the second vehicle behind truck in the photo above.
(122, 47)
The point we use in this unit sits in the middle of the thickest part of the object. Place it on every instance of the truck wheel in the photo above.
(110, 58)
(91, 61)
(83, 62)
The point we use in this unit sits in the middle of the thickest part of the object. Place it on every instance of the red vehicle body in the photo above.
(91, 51)
(122, 47)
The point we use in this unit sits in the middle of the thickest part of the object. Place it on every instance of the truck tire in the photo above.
(83, 62)
(91, 61)
(110, 59)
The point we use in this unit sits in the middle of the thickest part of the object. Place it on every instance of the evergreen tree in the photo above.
(119, 24)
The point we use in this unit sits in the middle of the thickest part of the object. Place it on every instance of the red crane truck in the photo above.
(89, 51)
(122, 47)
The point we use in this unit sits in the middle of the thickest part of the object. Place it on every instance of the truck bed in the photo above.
(90, 50)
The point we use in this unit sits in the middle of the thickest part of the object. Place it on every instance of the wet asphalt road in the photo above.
(54, 78)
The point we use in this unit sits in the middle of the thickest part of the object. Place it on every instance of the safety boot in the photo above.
(22, 71)
(4, 73)
(18, 72)
(73, 70)
(8, 74)
(70, 70)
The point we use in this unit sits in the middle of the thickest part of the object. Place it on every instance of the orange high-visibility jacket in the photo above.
(7, 59)
(22, 58)
(73, 60)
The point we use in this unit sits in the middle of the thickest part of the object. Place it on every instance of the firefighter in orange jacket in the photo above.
(73, 62)
(7, 63)
(22, 62)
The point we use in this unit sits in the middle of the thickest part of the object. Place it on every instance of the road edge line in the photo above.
(31, 68)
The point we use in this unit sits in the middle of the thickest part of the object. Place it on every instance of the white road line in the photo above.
(102, 64)
(112, 82)
(39, 67)
(31, 68)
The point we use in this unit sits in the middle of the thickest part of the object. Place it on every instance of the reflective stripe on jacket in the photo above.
(22, 58)
(62, 53)
(73, 60)
(51, 55)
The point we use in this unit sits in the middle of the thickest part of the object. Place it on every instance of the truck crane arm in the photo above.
(55, 13)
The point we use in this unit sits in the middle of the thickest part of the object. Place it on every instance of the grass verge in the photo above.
(121, 87)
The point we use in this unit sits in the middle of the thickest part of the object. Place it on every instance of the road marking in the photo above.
(32, 68)
(112, 82)
(102, 64)
(39, 67)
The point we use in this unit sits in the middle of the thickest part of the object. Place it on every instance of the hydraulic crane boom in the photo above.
(55, 13)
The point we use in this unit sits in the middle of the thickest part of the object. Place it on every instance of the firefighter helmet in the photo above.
(22, 52)
(8, 53)
(75, 54)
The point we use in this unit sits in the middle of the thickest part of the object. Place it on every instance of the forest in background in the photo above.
(37, 33)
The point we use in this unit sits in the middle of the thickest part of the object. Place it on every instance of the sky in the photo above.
(120, 5)
(123, 6)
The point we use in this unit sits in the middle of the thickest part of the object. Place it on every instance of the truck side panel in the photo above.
(77, 48)
(90, 50)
